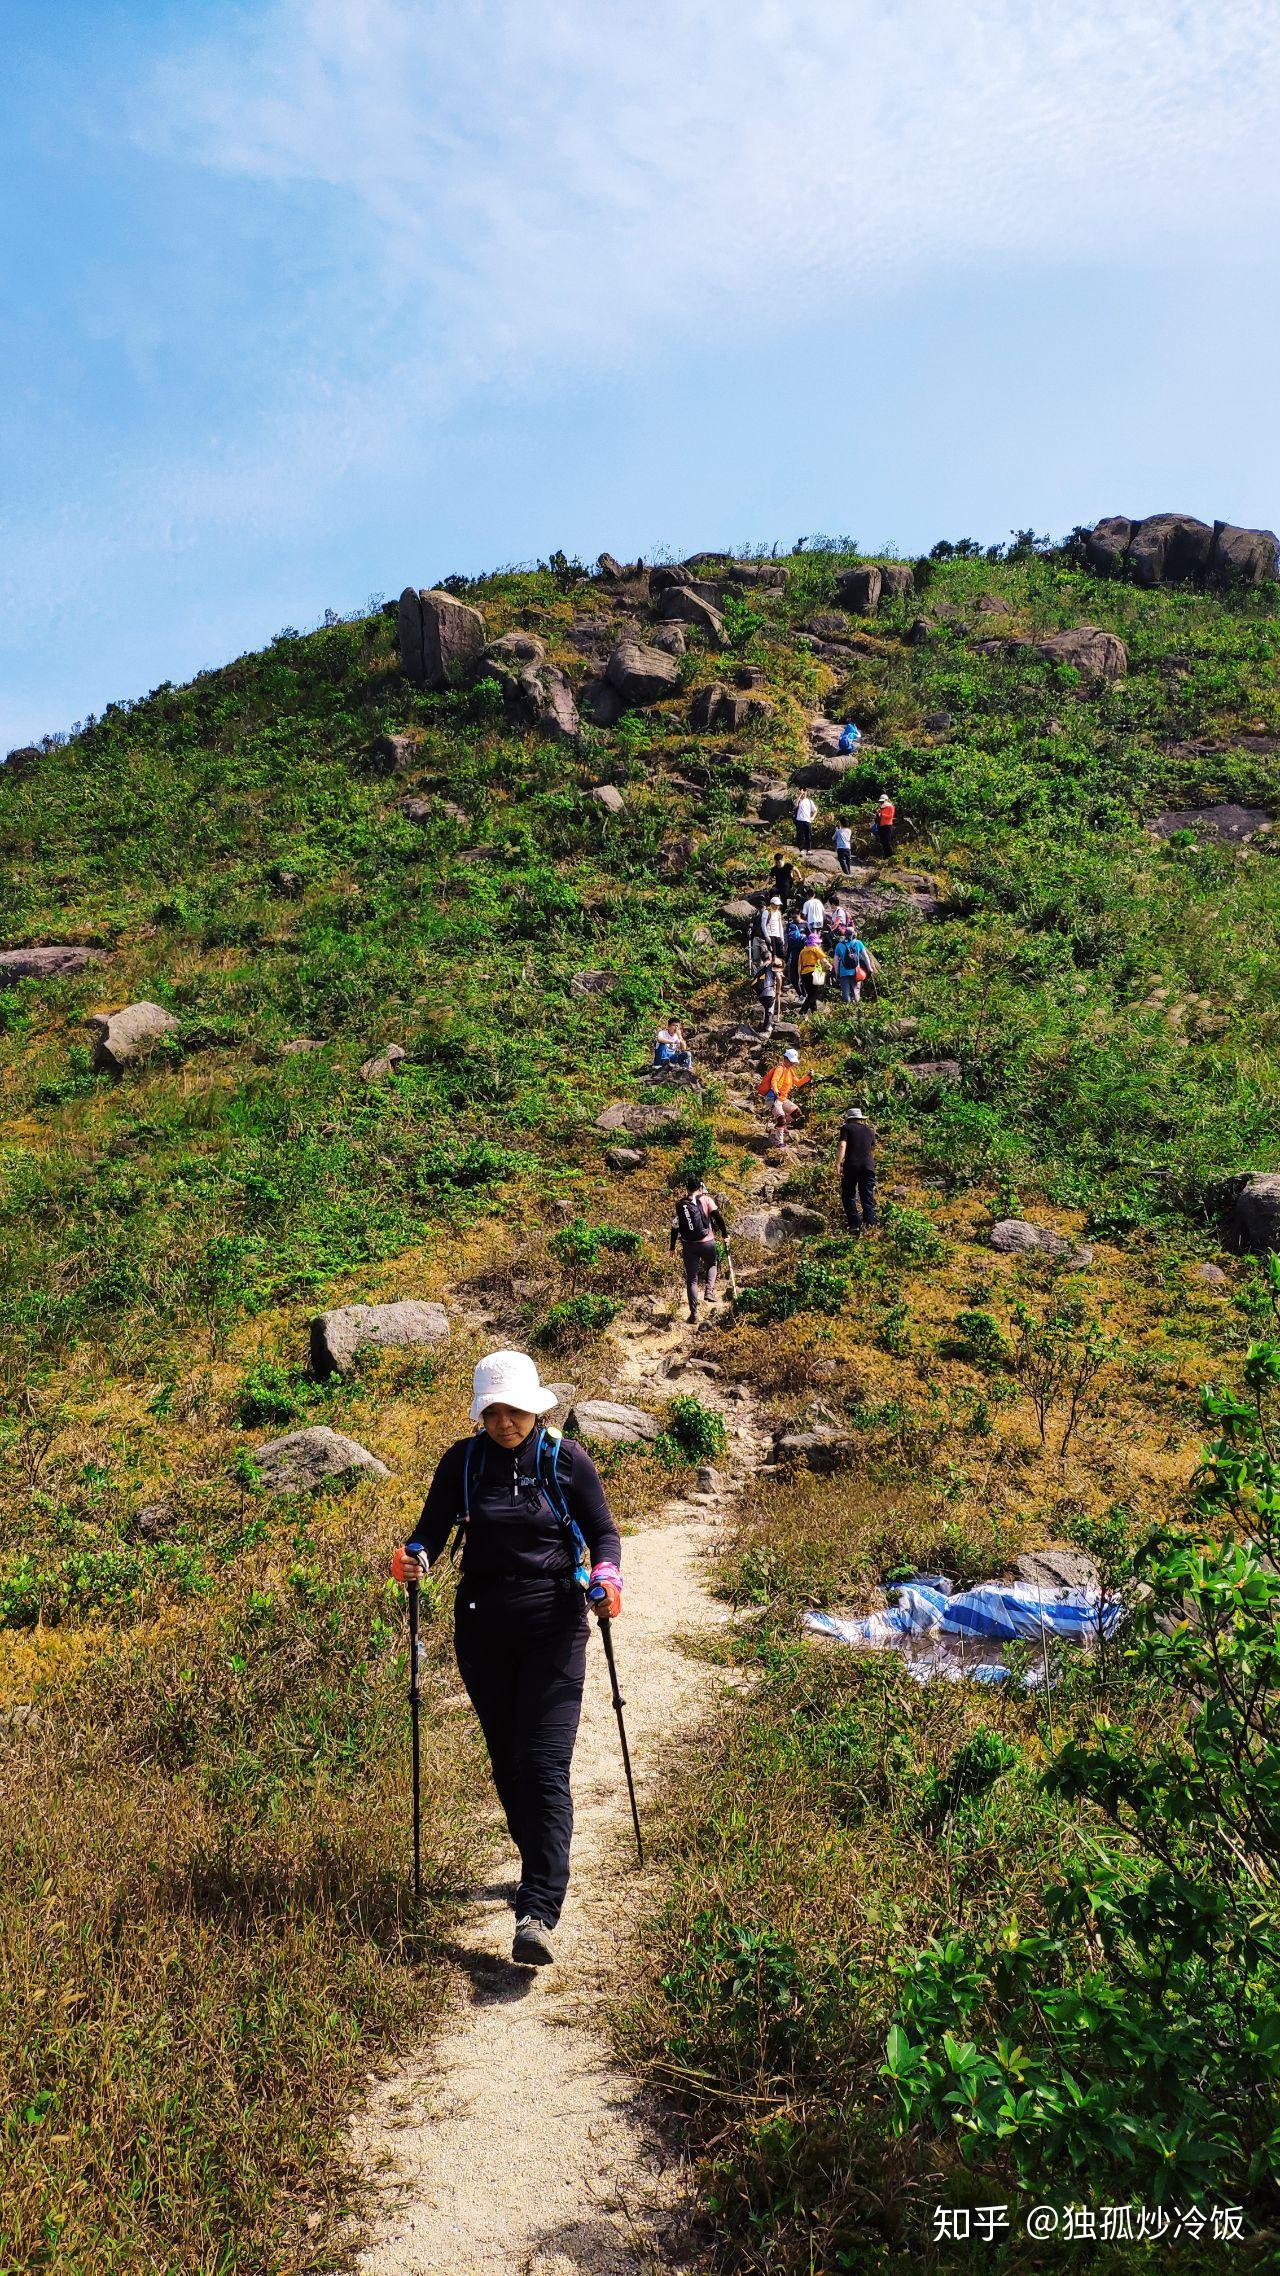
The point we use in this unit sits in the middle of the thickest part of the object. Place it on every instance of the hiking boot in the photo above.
(532, 1943)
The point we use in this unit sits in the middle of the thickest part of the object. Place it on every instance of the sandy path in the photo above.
(515, 2144)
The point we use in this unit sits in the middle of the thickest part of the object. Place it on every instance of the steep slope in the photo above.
(206, 1935)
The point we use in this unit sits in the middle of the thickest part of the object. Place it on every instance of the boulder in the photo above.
(20, 761)
(896, 580)
(828, 628)
(1253, 1219)
(155, 1521)
(937, 722)
(859, 590)
(1230, 825)
(306, 1459)
(1015, 1236)
(608, 1422)
(119, 1037)
(591, 983)
(606, 795)
(681, 604)
(300, 1047)
(638, 1121)
(384, 1063)
(1243, 556)
(777, 803)
(672, 638)
(52, 963)
(992, 605)
(760, 1228)
(738, 912)
(394, 754)
(921, 629)
(1212, 1275)
(828, 770)
(941, 1074)
(1108, 543)
(727, 709)
(601, 703)
(612, 571)
(676, 856)
(513, 653)
(641, 675)
(801, 1221)
(1053, 1568)
(1095, 654)
(441, 639)
(824, 1448)
(624, 1159)
(824, 737)
(748, 676)
(417, 810)
(764, 576)
(1168, 547)
(337, 1336)
(544, 699)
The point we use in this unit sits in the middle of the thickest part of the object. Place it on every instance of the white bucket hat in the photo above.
(793, 1057)
(509, 1379)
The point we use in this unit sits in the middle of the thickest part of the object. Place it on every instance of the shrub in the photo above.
(576, 1319)
(911, 1236)
(694, 1433)
(579, 1246)
(980, 1339)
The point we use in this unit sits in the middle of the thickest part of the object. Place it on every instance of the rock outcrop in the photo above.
(609, 1422)
(441, 638)
(52, 963)
(682, 605)
(123, 1036)
(337, 1336)
(1095, 654)
(1253, 1217)
(307, 1459)
(1168, 549)
(641, 675)
(859, 590)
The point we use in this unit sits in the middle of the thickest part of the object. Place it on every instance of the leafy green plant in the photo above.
(980, 1339)
(576, 1319)
(911, 1236)
(812, 1287)
(694, 1432)
(580, 1246)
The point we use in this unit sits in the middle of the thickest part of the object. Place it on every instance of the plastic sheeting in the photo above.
(940, 1635)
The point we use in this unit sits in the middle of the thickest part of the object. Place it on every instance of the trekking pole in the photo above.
(413, 1740)
(618, 1704)
(733, 1277)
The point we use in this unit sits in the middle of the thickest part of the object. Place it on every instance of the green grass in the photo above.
(206, 1937)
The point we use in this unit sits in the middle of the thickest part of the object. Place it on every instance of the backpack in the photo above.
(693, 1218)
(546, 1471)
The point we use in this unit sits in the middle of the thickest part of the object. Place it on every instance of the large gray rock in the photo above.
(337, 1336)
(602, 704)
(607, 795)
(761, 1228)
(637, 1120)
(1016, 1236)
(1229, 825)
(395, 754)
(1166, 548)
(53, 963)
(513, 653)
(641, 675)
(823, 1448)
(776, 803)
(896, 580)
(680, 604)
(828, 770)
(608, 1422)
(1095, 654)
(1244, 556)
(441, 638)
(384, 1063)
(859, 590)
(120, 1037)
(1108, 543)
(306, 1459)
(1253, 1218)
(1053, 1569)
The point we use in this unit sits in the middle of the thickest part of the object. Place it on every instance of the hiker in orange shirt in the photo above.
(882, 827)
(778, 1089)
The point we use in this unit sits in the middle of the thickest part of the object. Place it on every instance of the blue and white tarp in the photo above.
(939, 1634)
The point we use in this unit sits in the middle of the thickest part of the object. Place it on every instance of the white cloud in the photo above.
(536, 183)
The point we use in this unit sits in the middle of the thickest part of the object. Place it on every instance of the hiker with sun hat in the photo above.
(527, 1510)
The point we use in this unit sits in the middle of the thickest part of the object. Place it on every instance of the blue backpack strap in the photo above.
(554, 1492)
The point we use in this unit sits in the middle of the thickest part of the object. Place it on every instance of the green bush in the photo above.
(980, 1339)
(694, 1433)
(576, 1319)
(911, 1236)
(812, 1287)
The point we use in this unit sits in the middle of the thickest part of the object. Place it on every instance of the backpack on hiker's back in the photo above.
(693, 1217)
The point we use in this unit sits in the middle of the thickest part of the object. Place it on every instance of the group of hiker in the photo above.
(525, 1511)
(882, 827)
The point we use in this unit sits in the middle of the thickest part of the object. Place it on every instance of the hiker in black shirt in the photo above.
(515, 1492)
(856, 1162)
(694, 1226)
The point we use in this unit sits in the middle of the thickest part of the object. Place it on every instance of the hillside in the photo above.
(304, 858)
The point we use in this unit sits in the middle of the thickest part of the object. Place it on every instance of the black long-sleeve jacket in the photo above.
(513, 1533)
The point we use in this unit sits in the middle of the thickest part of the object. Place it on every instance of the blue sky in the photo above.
(303, 300)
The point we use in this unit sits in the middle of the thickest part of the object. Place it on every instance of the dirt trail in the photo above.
(515, 2144)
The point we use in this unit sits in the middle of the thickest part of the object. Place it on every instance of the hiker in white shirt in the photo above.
(806, 816)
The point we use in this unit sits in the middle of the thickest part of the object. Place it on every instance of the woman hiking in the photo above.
(538, 1544)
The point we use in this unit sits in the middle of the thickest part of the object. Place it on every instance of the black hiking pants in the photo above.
(804, 836)
(858, 1186)
(522, 1654)
(701, 1261)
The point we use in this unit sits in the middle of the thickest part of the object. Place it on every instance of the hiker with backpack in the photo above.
(854, 967)
(797, 934)
(768, 988)
(813, 915)
(882, 826)
(805, 816)
(856, 1164)
(778, 1089)
(784, 881)
(538, 1544)
(771, 925)
(694, 1227)
(812, 967)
